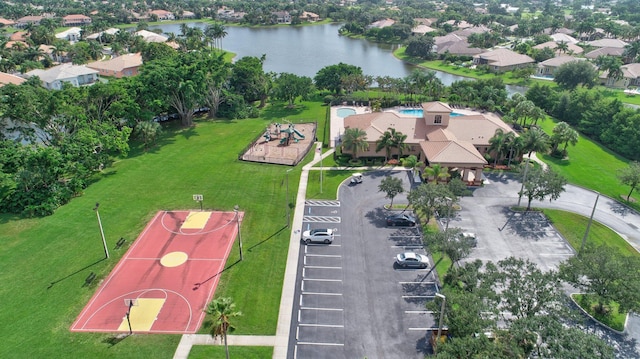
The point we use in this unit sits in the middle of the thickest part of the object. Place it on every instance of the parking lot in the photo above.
(352, 301)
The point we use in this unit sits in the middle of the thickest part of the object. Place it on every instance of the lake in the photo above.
(304, 50)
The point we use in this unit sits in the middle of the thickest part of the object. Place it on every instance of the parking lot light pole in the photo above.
(524, 179)
(586, 234)
(235, 209)
(444, 300)
(104, 241)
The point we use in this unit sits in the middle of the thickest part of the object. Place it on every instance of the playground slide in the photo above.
(298, 133)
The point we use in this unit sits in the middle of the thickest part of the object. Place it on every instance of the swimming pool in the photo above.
(345, 111)
(417, 112)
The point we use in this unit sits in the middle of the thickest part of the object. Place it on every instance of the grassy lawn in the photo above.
(331, 180)
(590, 165)
(46, 260)
(613, 318)
(208, 351)
(572, 226)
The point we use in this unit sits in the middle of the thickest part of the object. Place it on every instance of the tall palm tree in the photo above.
(497, 145)
(436, 172)
(631, 51)
(355, 139)
(562, 47)
(398, 141)
(412, 163)
(385, 142)
(223, 310)
(535, 140)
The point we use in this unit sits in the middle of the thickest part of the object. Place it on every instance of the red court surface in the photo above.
(170, 274)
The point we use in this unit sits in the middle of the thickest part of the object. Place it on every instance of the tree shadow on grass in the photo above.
(114, 339)
(197, 286)
(266, 239)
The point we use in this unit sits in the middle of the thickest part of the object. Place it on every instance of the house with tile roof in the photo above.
(456, 142)
(53, 78)
(560, 37)
(617, 43)
(422, 29)
(6, 79)
(549, 67)
(605, 51)
(455, 45)
(121, 66)
(309, 16)
(381, 24)
(149, 36)
(76, 20)
(553, 45)
(6, 22)
(163, 15)
(630, 77)
(72, 35)
(500, 60)
(26, 20)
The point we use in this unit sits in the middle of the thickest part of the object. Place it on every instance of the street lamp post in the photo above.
(586, 233)
(444, 300)
(235, 209)
(524, 179)
(288, 204)
(104, 241)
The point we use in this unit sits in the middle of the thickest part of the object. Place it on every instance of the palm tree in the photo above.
(631, 51)
(222, 309)
(535, 140)
(563, 133)
(355, 139)
(398, 139)
(497, 145)
(412, 163)
(385, 142)
(562, 47)
(436, 172)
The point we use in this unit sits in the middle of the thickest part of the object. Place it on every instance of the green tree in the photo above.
(355, 140)
(541, 184)
(563, 134)
(606, 276)
(412, 162)
(572, 74)
(222, 310)
(498, 144)
(288, 87)
(148, 131)
(385, 142)
(452, 243)
(249, 79)
(391, 186)
(535, 140)
(330, 77)
(436, 173)
(421, 46)
(428, 198)
(630, 176)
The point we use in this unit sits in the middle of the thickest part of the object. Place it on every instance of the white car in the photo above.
(411, 259)
(319, 235)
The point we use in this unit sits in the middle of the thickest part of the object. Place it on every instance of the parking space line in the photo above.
(409, 247)
(405, 236)
(326, 344)
(557, 254)
(418, 311)
(324, 280)
(422, 329)
(321, 325)
(322, 267)
(321, 219)
(418, 296)
(319, 293)
(325, 255)
(327, 309)
(418, 282)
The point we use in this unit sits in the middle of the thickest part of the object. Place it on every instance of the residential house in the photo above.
(604, 51)
(26, 20)
(309, 16)
(468, 31)
(500, 60)
(422, 29)
(121, 66)
(455, 45)
(76, 20)
(6, 79)
(18, 36)
(282, 17)
(54, 78)
(617, 43)
(553, 45)
(6, 23)
(424, 21)
(149, 36)
(163, 15)
(188, 14)
(549, 67)
(561, 37)
(381, 24)
(459, 24)
(98, 35)
(72, 35)
(456, 142)
(630, 77)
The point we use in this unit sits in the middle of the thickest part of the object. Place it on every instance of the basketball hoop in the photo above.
(130, 302)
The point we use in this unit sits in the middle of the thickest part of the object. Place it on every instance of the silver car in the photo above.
(413, 260)
(319, 235)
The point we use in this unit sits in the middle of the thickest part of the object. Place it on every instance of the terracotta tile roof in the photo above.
(119, 63)
(504, 57)
(452, 153)
(6, 78)
(608, 43)
(560, 60)
(604, 51)
(554, 45)
(557, 37)
(436, 106)
(6, 22)
(476, 129)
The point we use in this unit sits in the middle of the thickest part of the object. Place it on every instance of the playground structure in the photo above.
(281, 143)
(289, 133)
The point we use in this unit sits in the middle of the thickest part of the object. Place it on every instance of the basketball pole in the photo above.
(128, 316)
(235, 209)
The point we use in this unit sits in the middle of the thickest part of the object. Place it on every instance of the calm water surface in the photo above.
(307, 49)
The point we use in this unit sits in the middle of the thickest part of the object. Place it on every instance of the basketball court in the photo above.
(166, 279)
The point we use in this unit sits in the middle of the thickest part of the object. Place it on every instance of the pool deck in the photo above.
(337, 122)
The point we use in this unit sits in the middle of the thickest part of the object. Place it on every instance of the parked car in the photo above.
(471, 237)
(413, 260)
(402, 219)
(320, 235)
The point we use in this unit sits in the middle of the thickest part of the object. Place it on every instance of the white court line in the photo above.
(321, 325)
